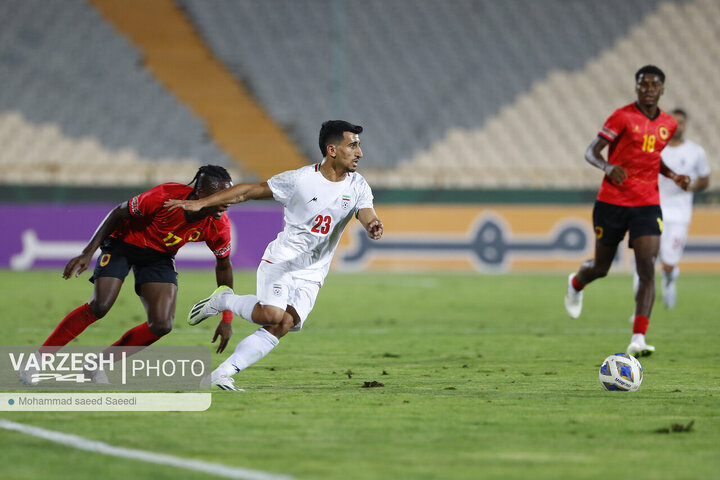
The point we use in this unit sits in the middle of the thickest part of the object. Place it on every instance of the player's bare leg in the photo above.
(159, 300)
(105, 292)
(599, 266)
(589, 271)
(646, 250)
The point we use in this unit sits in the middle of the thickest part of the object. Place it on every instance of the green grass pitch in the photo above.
(484, 377)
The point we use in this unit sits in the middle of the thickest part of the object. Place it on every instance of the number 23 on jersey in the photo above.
(322, 224)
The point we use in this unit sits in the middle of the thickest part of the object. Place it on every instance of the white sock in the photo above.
(251, 349)
(638, 338)
(242, 305)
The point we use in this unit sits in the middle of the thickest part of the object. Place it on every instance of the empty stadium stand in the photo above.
(77, 105)
(465, 93)
(460, 94)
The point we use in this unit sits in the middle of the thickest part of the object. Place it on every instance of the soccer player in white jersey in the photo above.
(687, 158)
(318, 202)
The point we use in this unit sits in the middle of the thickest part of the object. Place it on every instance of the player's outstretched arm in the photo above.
(235, 194)
(682, 181)
(369, 219)
(593, 155)
(224, 276)
(79, 264)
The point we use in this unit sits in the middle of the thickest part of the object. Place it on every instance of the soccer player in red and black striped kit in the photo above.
(143, 235)
(628, 199)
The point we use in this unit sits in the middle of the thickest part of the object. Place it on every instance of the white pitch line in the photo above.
(81, 443)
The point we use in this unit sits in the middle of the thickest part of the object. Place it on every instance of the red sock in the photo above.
(641, 324)
(71, 326)
(139, 336)
(576, 284)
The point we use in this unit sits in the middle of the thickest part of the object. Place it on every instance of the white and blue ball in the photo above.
(621, 372)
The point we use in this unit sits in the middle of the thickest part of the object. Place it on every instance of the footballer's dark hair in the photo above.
(679, 111)
(651, 69)
(331, 132)
(208, 173)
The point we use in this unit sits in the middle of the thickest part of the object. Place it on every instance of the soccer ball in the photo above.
(621, 372)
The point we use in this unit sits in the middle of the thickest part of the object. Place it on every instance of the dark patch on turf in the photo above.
(373, 384)
(677, 428)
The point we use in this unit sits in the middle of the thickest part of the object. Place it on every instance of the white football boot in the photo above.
(638, 348)
(573, 299)
(96, 375)
(209, 306)
(223, 382)
(25, 375)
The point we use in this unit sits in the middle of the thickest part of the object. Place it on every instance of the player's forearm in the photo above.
(107, 226)
(224, 272)
(594, 158)
(367, 216)
(238, 194)
(667, 171)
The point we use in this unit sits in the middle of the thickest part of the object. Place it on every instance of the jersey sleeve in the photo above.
(702, 168)
(220, 239)
(365, 196)
(148, 203)
(613, 126)
(283, 186)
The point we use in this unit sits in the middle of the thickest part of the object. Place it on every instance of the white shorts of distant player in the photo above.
(672, 242)
(277, 286)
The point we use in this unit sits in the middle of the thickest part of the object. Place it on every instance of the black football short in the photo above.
(612, 221)
(148, 265)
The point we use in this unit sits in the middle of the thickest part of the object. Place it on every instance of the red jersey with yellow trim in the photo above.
(635, 144)
(153, 226)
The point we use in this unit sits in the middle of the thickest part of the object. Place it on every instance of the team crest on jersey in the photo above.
(664, 133)
(194, 236)
(346, 201)
(105, 259)
(277, 289)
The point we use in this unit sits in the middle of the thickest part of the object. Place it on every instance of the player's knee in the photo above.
(286, 325)
(270, 316)
(287, 322)
(646, 277)
(160, 328)
(99, 308)
(601, 270)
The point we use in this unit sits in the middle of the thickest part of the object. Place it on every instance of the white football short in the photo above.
(277, 286)
(672, 242)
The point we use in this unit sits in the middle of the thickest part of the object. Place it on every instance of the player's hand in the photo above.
(77, 265)
(224, 331)
(682, 181)
(375, 229)
(616, 174)
(189, 205)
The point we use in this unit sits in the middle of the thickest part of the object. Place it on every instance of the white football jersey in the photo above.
(316, 212)
(688, 158)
